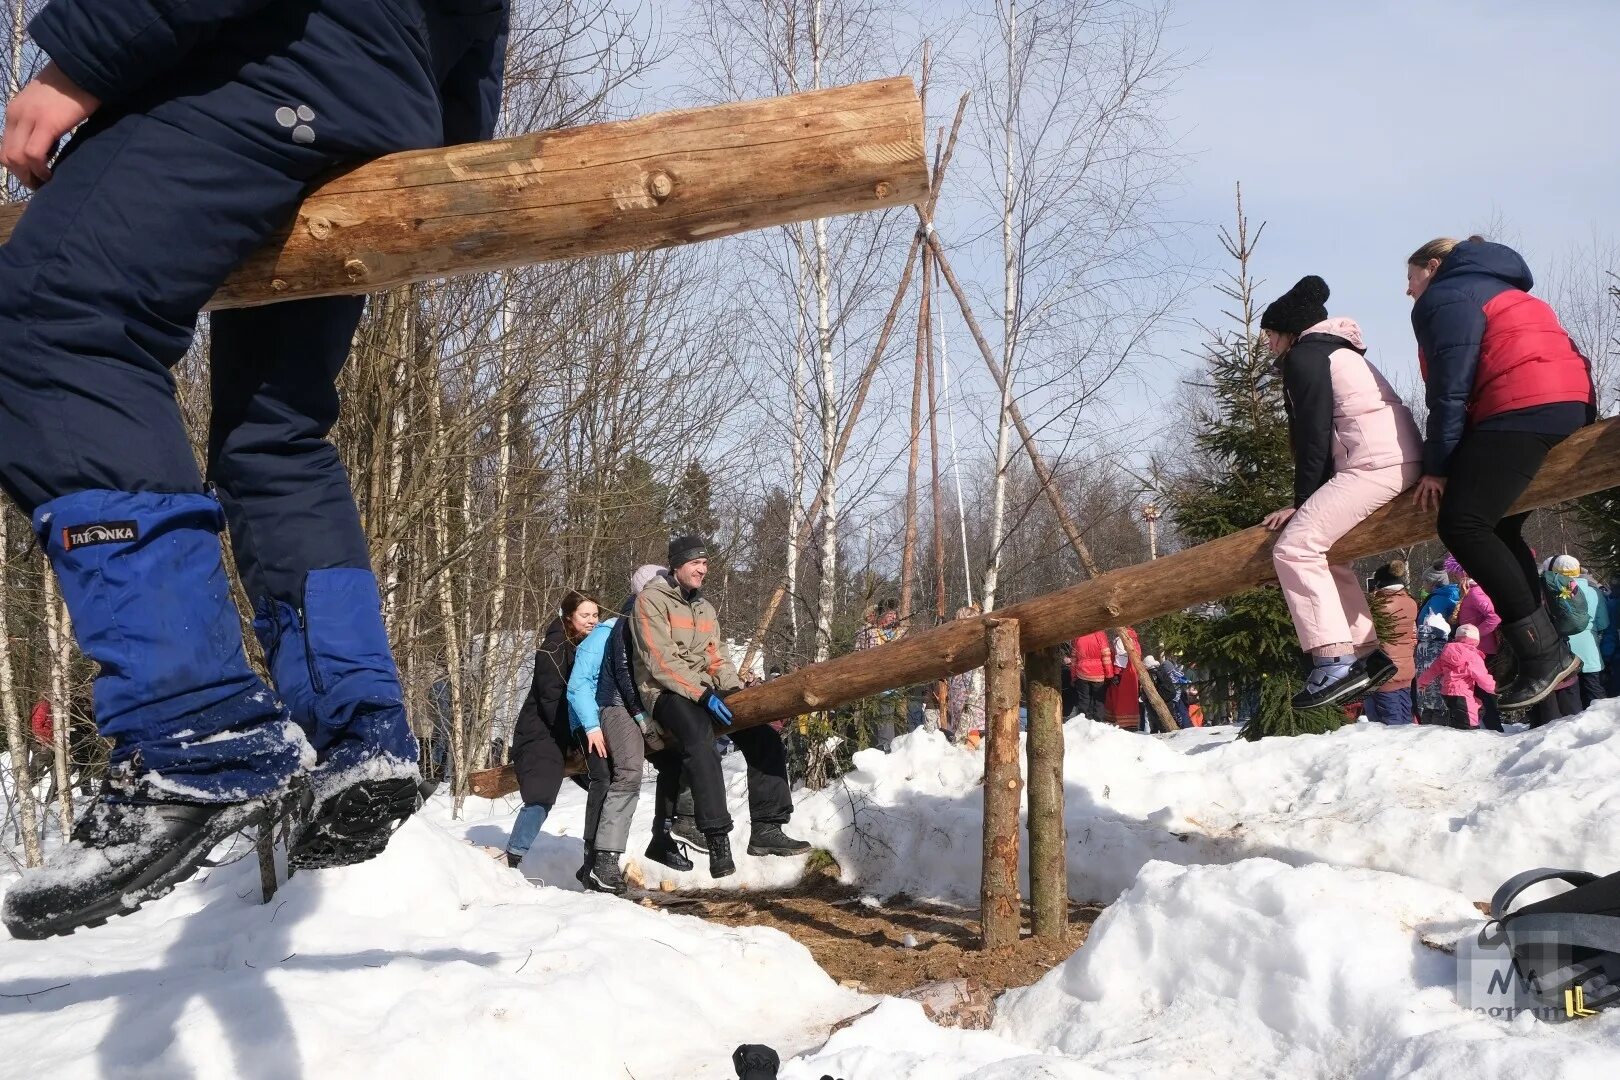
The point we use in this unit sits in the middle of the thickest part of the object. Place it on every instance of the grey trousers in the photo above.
(615, 782)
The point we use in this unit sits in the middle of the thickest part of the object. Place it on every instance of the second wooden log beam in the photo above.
(1586, 462)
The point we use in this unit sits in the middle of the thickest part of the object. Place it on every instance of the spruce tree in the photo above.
(1241, 469)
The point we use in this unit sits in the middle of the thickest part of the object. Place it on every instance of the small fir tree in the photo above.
(1244, 647)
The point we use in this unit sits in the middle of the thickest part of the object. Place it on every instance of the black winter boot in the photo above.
(667, 851)
(603, 874)
(514, 859)
(584, 870)
(686, 830)
(771, 840)
(721, 863)
(1544, 660)
(124, 851)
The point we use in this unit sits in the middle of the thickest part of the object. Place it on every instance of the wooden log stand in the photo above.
(1043, 750)
(999, 906)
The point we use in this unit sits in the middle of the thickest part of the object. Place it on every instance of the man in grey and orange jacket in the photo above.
(684, 678)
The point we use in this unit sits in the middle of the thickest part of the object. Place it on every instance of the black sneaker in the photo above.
(665, 850)
(124, 851)
(603, 874)
(686, 830)
(352, 825)
(771, 840)
(1332, 684)
(721, 863)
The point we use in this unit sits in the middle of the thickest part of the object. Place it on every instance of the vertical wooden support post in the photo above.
(1048, 862)
(999, 907)
(266, 847)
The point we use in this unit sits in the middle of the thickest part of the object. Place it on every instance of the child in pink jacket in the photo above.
(1461, 671)
(1355, 448)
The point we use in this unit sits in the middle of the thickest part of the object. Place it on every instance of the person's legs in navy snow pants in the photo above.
(146, 215)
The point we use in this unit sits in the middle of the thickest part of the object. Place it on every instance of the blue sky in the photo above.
(1360, 130)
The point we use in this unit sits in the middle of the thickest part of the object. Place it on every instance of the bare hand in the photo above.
(42, 112)
(596, 743)
(1278, 518)
(1429, 491)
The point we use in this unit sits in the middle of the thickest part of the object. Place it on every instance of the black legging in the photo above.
(1488, 472)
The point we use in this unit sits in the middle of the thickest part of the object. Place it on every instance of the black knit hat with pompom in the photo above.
(1298, 309)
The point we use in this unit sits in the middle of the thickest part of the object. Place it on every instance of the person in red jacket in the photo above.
(40, 721)
(1091, 668)
(1505, 384)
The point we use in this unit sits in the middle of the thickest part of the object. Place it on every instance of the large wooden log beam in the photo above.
(654, 182)
(1586, 462)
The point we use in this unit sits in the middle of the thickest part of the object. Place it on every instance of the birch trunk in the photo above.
(828, 595)
(17, 735)
(495, 653)
(56, 635)
(1009, 317)
(445, 589)
(795, 511)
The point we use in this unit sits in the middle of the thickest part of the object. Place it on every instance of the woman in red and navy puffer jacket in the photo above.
(1505, 385)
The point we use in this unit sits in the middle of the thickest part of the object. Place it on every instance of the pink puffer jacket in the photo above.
(1372, 427)
(1460, 668)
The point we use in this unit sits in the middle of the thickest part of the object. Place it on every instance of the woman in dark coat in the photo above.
(541, 737)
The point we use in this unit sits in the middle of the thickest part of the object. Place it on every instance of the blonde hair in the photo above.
(1438, 249)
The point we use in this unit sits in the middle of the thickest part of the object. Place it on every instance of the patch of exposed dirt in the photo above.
(866, 947)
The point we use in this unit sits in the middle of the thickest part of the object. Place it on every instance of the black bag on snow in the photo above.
(1565, 948)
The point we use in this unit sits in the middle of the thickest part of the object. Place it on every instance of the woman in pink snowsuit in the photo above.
(1355, 447)
(1461, 671)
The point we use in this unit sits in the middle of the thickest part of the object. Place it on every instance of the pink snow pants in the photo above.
(1328, 603)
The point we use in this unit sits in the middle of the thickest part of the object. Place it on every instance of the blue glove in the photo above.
(716, 706)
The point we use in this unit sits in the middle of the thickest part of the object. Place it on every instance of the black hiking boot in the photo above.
(1544, 660)
(603, 875)
(585, 866)
(665, 850)
(721, 863)
(686, 830)
(514, 859)
(353, 824)
(771, 840)
(125, 850)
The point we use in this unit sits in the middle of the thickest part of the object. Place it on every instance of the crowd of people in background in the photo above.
(649, 684)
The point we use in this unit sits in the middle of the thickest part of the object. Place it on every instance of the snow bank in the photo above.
(432, 960)
(1462, 809)
(1248, 970)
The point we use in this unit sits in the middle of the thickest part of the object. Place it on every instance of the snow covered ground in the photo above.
(1287, 908)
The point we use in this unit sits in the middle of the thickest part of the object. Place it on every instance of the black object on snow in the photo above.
(756, 1062)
